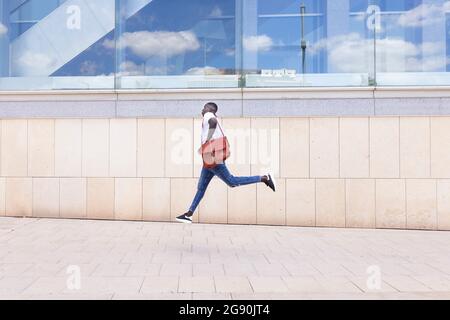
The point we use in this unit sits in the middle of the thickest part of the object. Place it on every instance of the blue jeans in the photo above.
(222, 172)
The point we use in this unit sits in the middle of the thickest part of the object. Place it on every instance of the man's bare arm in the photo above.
(212, 128)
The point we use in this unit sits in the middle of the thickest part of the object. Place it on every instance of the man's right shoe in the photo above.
(184, 218)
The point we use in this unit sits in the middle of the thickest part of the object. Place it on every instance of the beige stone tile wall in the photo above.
(415, 147)
(242, 205)
(95, 151)
(360, 203)
(330, 202)
(14, 148)
(390, 202)
(213, 208)
(128, 199)
(156, 199)
(294, 147)
(150, 143)
(100, 198)
(72, 197)
(46, 197)
(123, 148)
(443, 204)
(300, 202)
(179, 148)
(41, 148)
(196, 143)
(238, 131)
(384, 147)
(355, 172)
(182, 191)
(440, 147)
(265, 146)
(18, 197)
(2, 196)
(421, 204)
(324, 147)
(68, 147)
(354, 147)
(270, 206)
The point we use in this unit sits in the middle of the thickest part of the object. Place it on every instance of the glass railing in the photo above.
(144, 44)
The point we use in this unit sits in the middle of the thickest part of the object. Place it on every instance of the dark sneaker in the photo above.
(270, 182)
(184, 218)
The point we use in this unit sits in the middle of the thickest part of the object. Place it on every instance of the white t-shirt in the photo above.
(205, 127)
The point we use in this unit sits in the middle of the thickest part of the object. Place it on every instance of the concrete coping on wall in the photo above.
(234, 102)
(257, 93)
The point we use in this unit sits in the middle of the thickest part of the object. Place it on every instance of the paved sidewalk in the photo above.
(40, 259)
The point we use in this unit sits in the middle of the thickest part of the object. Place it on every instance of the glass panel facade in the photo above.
(306, 43)
(139, 44)
(177, 44)
(412, 42)
(56, 44)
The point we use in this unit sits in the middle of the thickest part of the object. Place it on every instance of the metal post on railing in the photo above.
(303, 41)
(375, 55)
(4, 38)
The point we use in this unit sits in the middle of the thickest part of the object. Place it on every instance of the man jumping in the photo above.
(220, 170)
